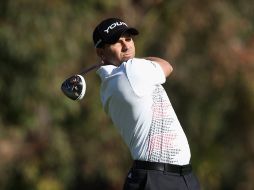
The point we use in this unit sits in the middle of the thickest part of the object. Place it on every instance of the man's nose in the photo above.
(124, 45)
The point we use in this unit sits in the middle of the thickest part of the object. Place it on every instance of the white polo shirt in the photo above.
(133, 97)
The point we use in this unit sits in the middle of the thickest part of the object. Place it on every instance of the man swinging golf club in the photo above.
(133, 97)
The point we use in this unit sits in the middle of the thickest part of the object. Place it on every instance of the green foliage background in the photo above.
(48, 142)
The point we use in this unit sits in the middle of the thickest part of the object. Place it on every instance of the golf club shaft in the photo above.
(90, 68)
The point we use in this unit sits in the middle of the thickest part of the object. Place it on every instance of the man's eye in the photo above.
(128, 39)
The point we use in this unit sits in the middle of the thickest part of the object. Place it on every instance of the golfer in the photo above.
(133, 97)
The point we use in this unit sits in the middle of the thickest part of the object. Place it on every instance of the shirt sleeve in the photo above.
(143, 75)
(105, 71)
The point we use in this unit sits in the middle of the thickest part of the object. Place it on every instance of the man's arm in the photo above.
(166, 67)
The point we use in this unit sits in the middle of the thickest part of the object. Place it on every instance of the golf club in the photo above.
(75, 86)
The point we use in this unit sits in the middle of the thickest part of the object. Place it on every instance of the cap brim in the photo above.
(115, 37)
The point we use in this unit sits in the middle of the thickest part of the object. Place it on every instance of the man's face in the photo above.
(122, 50)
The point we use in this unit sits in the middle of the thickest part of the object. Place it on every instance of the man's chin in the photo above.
(126, 58)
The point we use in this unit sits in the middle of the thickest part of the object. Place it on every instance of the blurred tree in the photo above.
(50, 142)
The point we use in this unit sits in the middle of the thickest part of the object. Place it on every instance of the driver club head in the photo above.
(74, 87)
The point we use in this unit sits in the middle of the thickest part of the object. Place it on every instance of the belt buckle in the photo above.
(161, 167)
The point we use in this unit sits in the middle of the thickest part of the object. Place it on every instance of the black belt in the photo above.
(182, 170)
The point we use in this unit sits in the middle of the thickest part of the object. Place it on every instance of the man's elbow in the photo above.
(167, 69)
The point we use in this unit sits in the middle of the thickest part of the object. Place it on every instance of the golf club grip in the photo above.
(90, 68)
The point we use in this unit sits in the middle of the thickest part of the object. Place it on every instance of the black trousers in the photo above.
(150, 178)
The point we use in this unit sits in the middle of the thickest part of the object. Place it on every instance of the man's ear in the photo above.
(100, 52)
